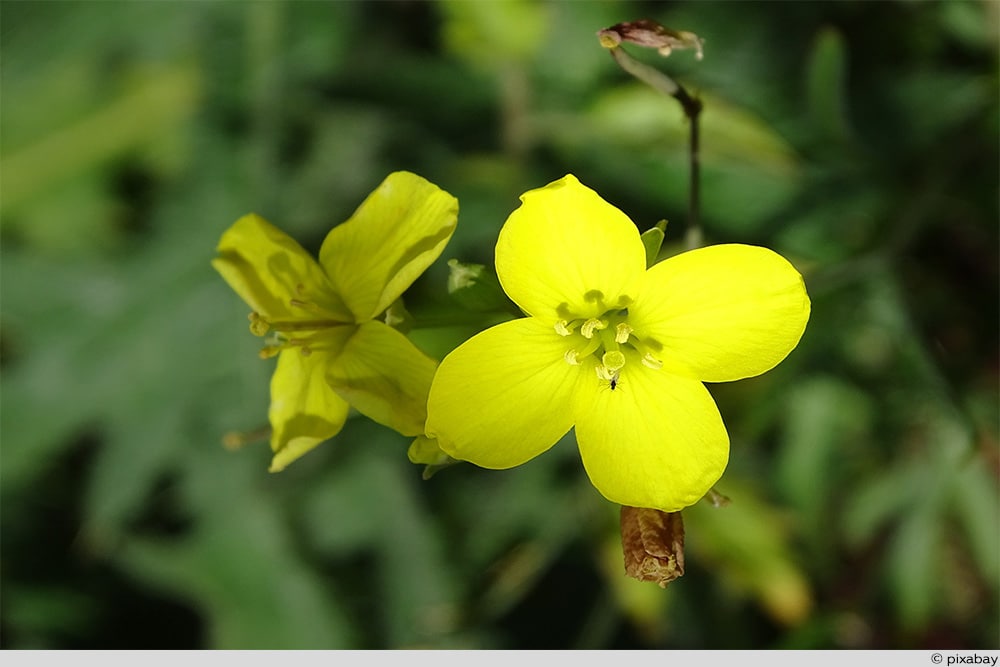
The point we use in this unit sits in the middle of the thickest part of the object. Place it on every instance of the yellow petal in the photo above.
(503, 396)
(396, 233)
(304, 411)
(656, 440)
(726, 312)
(268, 269)
(563, 246)
(384, 376)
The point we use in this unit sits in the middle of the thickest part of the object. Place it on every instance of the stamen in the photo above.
(305, 325)
(649, 361)
(306, 343)
(606, 337)
(592, 325)
(258, 325)
(236, 439)
(605, 373)
(304, 305)
(589, 348)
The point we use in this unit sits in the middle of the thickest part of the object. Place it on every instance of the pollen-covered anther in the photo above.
(605, 373)
(622, 332)
(572, 357)
(592, 325)
(649, 361)
(269, 351)
(562, 328)
(258, 325)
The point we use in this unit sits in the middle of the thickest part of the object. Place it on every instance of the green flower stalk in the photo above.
(616, 351)
(319, 318)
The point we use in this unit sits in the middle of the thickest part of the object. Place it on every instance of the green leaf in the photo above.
(978, 513)
(157, 104)
(638, 139)
(914, 565)
(488, 33)
(652, 241)
(245, 575)
(875, 503)
(371, 502)
(748, 542)
(825, 420)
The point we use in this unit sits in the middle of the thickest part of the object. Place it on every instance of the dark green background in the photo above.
(859, 139)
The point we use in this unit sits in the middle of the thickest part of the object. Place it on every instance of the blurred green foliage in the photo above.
(857, 138)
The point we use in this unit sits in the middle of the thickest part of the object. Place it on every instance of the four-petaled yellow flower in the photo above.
(618, 351)
(319, 316)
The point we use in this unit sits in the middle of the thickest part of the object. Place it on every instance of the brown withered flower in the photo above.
(653, 544)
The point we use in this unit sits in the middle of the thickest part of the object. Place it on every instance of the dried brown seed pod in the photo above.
(653, 544)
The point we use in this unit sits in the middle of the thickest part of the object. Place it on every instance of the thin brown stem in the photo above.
(693, 237)
(692, 107)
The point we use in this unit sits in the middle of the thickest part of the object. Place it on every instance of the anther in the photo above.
(592, 325)
(622, 332)
(572, 357)
(649, 361)
(258, 325)
(269, 351)
(604, 374)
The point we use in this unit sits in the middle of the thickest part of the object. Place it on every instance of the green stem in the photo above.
(484, 320)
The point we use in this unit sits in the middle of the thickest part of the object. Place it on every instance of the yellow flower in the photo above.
(616, 351)
(319, 316)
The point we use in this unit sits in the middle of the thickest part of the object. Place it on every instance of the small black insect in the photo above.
(613, 382)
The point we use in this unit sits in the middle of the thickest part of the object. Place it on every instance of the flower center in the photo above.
(606, 340)
(301, 331)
